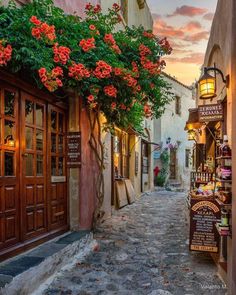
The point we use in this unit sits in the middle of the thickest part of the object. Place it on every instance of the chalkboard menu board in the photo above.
(203, 233)
(74, 149)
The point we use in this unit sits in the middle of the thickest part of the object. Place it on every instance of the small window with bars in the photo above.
(178, 105)
(187, 158)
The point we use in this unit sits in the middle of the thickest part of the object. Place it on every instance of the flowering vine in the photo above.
(116, 73)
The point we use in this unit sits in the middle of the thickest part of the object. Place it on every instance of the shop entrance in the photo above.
(33, 188)
(173, 160)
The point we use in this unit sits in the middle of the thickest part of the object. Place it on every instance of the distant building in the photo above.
(169, 134)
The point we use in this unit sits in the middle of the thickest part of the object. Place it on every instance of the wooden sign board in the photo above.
(204, 215)
(130, 191)
(74, 149)
(210, 113)
(121, 196)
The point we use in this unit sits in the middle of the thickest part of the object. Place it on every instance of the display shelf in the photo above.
(223, 158)
(224, 180)
(201, 182)
(226, 234)
(226, 206)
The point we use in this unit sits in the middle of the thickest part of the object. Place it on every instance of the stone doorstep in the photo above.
(24, 273)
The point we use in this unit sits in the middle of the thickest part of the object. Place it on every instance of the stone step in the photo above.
(175, 184)
(24, 273)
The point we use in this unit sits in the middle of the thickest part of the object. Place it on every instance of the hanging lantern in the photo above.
(207, 83)
(207, 86)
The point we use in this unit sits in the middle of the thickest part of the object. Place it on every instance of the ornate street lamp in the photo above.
(207, 83)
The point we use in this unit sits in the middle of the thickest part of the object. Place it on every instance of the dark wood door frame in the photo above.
(23, 242)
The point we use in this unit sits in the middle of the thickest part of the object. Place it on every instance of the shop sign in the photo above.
(57, 179)
(203, 218)
(210, 113)
(74, 149)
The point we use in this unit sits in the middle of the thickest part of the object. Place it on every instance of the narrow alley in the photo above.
(143, 249)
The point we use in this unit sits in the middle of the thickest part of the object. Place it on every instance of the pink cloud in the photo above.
(192, 26)
(197, 37)
(194, 58)
(161, 28)
(208, 16)
(186, 10)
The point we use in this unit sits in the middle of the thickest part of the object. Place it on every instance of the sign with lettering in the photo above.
(204, 215)
(210, 113)
(74, 149)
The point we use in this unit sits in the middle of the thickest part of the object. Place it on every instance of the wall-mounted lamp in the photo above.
(168, 140)
(207, 83)
(9, 140)
(191, 135)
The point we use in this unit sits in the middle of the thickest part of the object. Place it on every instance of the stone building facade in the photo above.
(168, 134)
(221, 53)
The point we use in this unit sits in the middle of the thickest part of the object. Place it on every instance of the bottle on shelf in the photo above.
(225, 149)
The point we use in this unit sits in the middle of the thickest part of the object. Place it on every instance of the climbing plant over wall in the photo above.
(116, 73)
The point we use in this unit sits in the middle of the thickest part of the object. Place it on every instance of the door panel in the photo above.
(33, 158)
(9, 173)
(32, 149)
(57, 159)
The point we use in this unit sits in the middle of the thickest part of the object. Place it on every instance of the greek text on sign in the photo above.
(210, 113)
(74, 149)
(203, 234)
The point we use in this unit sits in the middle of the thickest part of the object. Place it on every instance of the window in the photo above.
(141, 3)
(145, 164)
(178, 105)
(121, 154)
(187, 158)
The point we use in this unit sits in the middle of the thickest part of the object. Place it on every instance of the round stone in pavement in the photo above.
(160, 292)
(112, 287)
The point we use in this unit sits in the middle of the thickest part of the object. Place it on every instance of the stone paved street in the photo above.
(143, 249)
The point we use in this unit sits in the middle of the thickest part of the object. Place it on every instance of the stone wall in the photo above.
(221, 50)
(171, 125)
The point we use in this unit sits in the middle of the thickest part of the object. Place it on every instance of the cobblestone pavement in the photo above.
(143, 249)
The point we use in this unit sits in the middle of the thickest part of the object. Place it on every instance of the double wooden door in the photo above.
(33, 188)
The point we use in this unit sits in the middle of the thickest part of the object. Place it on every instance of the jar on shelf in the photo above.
(224, 217)
(225, 149)
(226, 173)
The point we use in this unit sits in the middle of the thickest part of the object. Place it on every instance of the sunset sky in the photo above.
(187, 24)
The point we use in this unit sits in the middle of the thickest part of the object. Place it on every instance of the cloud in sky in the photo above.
(190, 32)
(161, 28)
(197, 37)
(186, 10)
(187, 28)
(208, 16)
(192, 26)
(192, 58)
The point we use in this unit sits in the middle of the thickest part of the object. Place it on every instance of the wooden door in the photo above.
(173, 163)
(33, 166)
(9, 169)
(57, 168)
